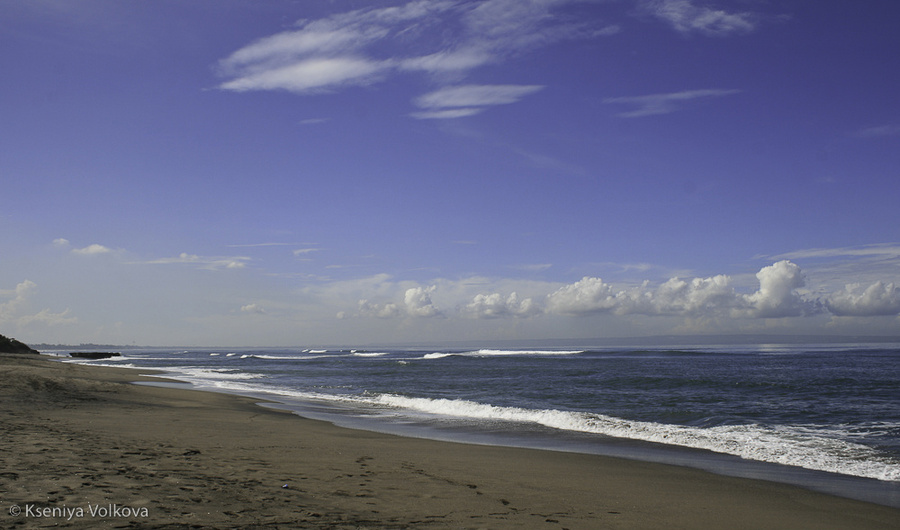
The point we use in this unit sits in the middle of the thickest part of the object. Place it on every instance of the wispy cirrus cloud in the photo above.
(654, 104)
(203, 262)
(533, 267)
(891, 250)
(844, 269)
(271, 244)
(446, 114)
(304, 254)
(880, 131)
(476, 95)
(323, 54)
(466, 100)
(686, 18)
(365, 46)
(309, 75)
(314, 121)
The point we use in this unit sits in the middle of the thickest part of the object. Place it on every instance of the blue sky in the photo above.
(347, 172)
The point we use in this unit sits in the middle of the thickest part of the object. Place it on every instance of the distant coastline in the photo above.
(648, 341)
(83, 346)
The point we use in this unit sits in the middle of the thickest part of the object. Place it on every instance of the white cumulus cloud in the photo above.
(369, 309)
(253, 309)
(715, 296)
(48, 318)
(418, 302)
(15, 309)
(16, 298)
(781, 293)
(92, 250)
(853, 300)
(777, 296)
(697, 297)
(586, 296)
(494, 305)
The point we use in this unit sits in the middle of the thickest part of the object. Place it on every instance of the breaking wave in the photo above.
(499, 353)
(780, 445)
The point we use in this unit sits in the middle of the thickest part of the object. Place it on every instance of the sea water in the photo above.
(824, 416)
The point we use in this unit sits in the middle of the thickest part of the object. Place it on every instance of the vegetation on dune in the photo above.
(8, 345)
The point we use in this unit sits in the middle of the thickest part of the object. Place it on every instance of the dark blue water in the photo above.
(825, 408)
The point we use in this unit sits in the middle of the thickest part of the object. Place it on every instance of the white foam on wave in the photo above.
(500, 353)
(119, 361)
(215, 374)
(250, 387)
(138, 358)
(282, 357)
(234, 385)
(108, 365)
(780, 445)
(488, 352)
(370, 354)
(437, 355)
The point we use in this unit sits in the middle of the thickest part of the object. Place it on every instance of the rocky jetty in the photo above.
(8, 345)
(93, 354)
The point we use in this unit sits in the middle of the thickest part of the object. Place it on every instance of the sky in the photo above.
(295, 173)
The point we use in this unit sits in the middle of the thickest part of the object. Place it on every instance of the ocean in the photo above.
(826, 417)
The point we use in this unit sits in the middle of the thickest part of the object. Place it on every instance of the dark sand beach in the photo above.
(83, 448)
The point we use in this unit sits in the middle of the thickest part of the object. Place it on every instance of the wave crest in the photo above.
(779, 445)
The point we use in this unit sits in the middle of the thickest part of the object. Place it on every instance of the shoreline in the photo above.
(548, 439)
(514, 433)
(84, 436)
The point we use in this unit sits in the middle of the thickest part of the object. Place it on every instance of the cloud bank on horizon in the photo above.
(777, 297)
(700, 304)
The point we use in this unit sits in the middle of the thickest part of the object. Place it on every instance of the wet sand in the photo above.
(81, 447)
